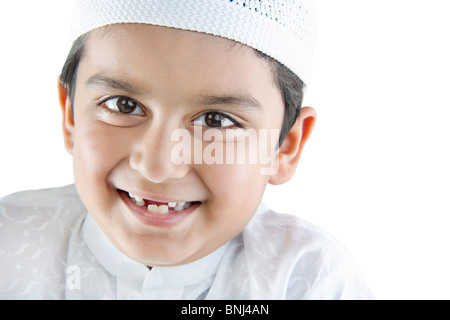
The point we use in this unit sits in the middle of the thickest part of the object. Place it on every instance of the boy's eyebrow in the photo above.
(241, 100)
(108, 82)
(246, 101)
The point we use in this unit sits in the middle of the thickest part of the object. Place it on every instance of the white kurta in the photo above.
(51, 248)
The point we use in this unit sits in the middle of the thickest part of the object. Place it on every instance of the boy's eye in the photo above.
(123, 105)
(215, 120)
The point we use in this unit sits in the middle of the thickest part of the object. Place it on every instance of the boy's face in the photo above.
(137, 87)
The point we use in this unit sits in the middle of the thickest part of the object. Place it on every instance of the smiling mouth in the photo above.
(162, 208)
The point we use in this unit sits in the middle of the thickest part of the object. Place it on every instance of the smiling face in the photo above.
(136, 86)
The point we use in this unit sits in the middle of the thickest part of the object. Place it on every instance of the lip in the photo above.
(155, 219)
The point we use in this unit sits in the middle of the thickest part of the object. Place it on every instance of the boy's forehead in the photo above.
(159, 35)
(132, 43)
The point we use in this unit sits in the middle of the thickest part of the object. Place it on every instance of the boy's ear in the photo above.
(291, 149)
(68, 121)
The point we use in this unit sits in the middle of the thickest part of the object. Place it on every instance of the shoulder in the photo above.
(280, 230)
(39, 212)
(290, 258)
(41, 197)
(35, 227)
(288, 237)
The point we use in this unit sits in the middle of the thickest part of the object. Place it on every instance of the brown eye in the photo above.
(215, 120)
(126, 105)
(123, 105)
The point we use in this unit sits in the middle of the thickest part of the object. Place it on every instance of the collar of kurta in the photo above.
(121, 266)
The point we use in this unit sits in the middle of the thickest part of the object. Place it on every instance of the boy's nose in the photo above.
(151, 157)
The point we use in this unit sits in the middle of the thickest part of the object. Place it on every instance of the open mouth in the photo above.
(156, 207)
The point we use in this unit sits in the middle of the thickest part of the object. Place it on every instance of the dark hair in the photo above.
(70, 68)
(291, 87)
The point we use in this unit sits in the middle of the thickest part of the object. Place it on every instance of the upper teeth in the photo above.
(163, 208)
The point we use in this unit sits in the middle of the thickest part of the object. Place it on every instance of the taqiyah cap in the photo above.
(282, 29)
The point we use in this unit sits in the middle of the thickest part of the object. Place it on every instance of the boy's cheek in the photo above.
(234, 186)
(96, 152)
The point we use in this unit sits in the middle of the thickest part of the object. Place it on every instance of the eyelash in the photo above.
(210, 114)
(115, 111)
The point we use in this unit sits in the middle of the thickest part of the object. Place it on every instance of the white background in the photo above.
(376, 172)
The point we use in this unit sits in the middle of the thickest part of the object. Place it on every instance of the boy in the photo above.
(170, 109)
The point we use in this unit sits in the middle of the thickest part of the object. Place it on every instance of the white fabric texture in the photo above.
(51, 248)
(282, 29)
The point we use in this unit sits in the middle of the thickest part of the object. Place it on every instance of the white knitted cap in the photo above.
(282, 29)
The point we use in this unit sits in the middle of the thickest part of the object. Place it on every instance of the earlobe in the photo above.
(67, 121)
(292, 147)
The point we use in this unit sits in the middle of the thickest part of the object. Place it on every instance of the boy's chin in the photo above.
(158, 253)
